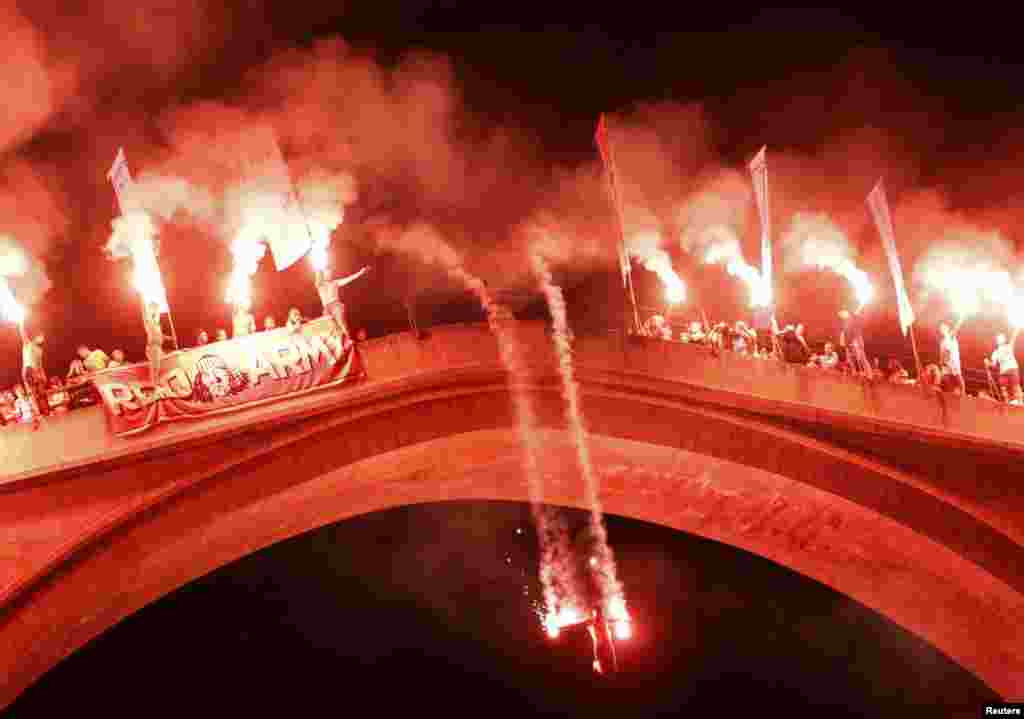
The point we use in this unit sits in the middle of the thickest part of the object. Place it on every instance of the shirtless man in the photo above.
(243, 323)
(295, 320)
(328, 290)
(32, 373)
(154, 339)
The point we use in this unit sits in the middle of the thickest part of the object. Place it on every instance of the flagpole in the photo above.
(119, 181)
(632, 297)
(917, 357)
(612, 179)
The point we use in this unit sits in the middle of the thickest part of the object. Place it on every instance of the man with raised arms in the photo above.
(328, 290)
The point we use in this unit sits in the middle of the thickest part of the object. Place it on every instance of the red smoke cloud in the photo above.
(402, 135)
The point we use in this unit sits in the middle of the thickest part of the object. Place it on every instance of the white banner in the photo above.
(759, 176)
(880, 211)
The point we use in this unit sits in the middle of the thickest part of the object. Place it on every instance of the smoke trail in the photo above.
(646, 247)
(612, 596)
(12, 263)
(814, 240)
(723, 246)
(561, 605)
(967, 268)
(322, 199)
(133, 236)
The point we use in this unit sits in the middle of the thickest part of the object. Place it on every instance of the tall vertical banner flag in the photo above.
(265, 168)
(759, 176)
(601, 138)
(121, 179)
(880, 211)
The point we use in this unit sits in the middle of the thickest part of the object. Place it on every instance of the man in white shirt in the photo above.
(949, 354)
(1007, 368)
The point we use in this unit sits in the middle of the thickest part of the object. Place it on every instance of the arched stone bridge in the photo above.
(907, 501)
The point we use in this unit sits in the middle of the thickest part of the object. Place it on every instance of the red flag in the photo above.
(601, 138)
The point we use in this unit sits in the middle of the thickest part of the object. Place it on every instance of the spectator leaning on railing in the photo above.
(1006, 364)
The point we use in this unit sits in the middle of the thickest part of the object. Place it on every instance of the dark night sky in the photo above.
(428, 608)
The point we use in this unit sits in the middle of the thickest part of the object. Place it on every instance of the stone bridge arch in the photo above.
(94, 542)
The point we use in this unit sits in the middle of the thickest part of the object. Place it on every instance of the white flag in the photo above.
(143, 254)
(880, 211)
(759, 175)
(269, 171)
(121, 179)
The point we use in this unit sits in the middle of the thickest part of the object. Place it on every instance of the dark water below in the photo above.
(428, 609)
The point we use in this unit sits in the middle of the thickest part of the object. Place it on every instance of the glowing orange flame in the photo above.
(566, 616)
(10, 310)
(136, 232)
(618, 617)
(859, 279)
(247, 249)
(659, 263)
(646, 247)
(728, 251)
(623, 630)
(965, 288)
(321, 223)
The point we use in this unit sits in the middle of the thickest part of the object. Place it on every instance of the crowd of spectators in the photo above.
(789, 344)
(21, 405)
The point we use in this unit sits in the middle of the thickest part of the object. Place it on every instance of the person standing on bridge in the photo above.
(852, 338)
(243, 323)
(949, 358)
(32, 373)
(154, 339)
(1009, 372)
(328, 291)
